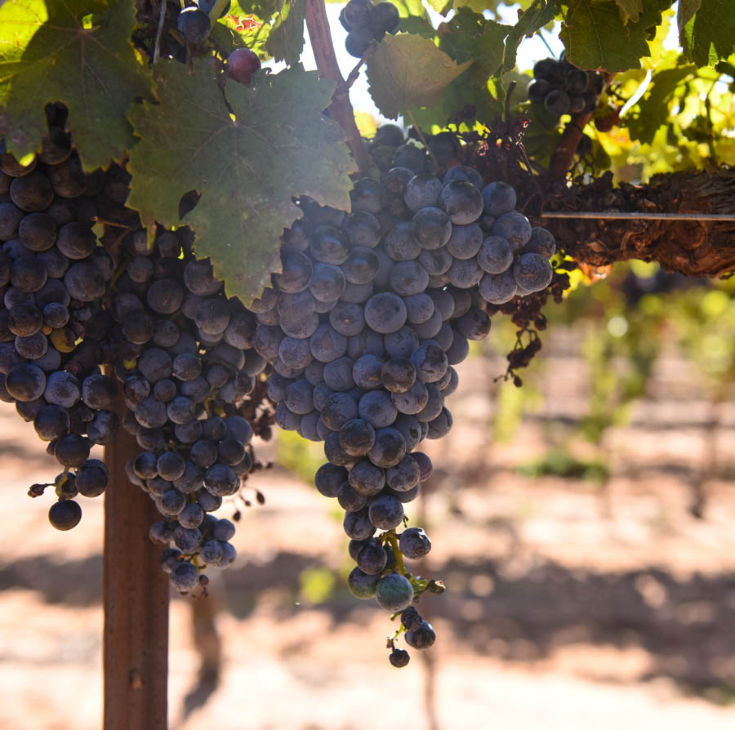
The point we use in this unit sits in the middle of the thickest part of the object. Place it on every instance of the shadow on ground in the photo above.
(687, 627)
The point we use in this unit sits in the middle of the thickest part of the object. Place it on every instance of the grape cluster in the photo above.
(363, 326)
(565, 89)
(186, 364)
(178, 351)
(365, 23)
(185, 32)
(53, 273)
(361, 330)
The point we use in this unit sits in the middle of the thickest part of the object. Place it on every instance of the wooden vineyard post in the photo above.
(135, 598)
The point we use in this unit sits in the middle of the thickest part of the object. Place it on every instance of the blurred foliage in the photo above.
(624, 324)
(298, 455)
(558, 462)
(316, 585)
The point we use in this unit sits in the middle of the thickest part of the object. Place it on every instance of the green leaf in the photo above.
(479, 6)
(407, 8)
(463, 94)
(684, 14)
(248, 153)
(595, 36)
(408, 70)
(710, 34)
(286, 39)
(537, 16)
(470, 36)
(77, 52)
(630, 9)
(653, 109)
(417, 26)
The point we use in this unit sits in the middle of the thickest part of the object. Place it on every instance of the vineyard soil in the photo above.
(565, 608)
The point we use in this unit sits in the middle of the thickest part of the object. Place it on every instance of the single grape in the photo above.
(385, 312)
(496, 255)
(498, 288)
(242, 63)
(514, 227)
(366, 478)
(194, 24)
(422, 637)
(361, 584)
(465, 241)
(400, 243)
(383, 18)
(399, 658)
(372, 558)
(414, 543)
(557, 102)
(389, 447)
(385, 512)
(499, 198)
(185, 576)
(349, 499)
(393, 592)
(532, 272)
(65, 514)
(542, 241)
(355, 14)
(462, 201)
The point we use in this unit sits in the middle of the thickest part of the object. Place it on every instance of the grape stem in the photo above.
(390, 538)
(159, 30)
(326, 62)
(415, 125)
(355, 73)
(563, 157)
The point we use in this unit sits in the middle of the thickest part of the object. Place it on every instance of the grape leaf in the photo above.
(630, 9)
(407, 71)
(653, 109)
(462, 101)
(684, 14)
(407, 8)
(480, 6)
(77, 52)
(286, 39)
(595, 36)
(417, 26)
(710, 34)
(248, 152)
(469, 35)
(536, 16)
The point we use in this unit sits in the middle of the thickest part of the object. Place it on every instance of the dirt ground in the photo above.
(569, 606)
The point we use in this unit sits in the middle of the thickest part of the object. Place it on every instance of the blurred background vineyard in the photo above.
(582, 523)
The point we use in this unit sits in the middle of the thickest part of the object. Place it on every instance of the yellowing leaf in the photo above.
(366, 124)
(248, 153)
(49, 53)
(407, 71)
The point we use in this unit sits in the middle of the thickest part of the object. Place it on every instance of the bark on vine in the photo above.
(341, 109)
(694, 248)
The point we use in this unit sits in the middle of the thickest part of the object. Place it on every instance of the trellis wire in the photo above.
(609, 215)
